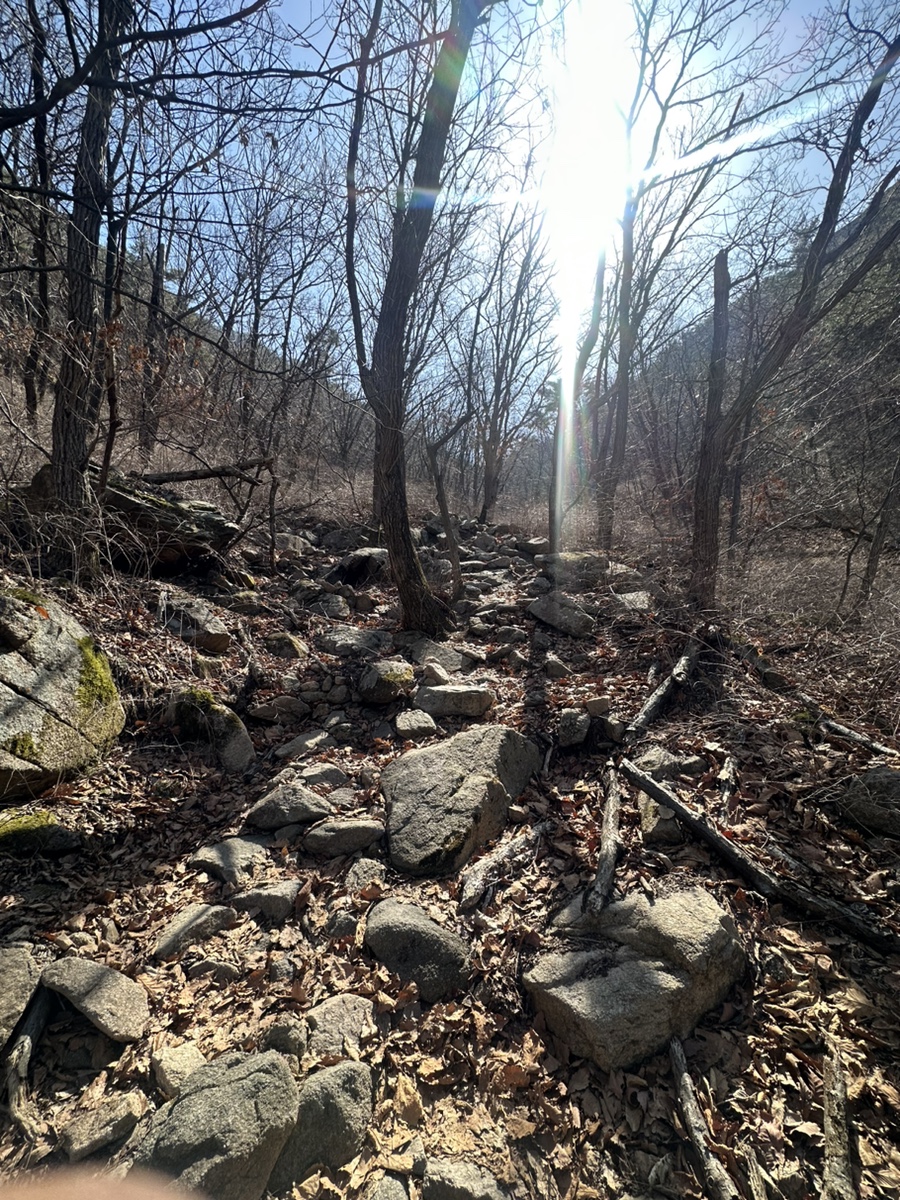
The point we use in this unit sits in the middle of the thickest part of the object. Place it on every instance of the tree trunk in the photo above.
(885, 514)
(34, 375)
(711, 465)
(79, 388)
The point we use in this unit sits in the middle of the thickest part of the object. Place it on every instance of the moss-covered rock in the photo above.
(38, 831)
(59, 708)
(200, 717)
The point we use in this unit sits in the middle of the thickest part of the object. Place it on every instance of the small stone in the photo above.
(434, 673)
(363, 872)
(574, 724)
(533, 546)
(284, 645)
(414, 725)
(339, 1025)
(110, 1000)
(288, 1035)
(610, 729)
(289, 803)
(233, 861)
(389, 1187)
(194, 623)
(275, 901)
(325, 775)
(455, 699)
(94, 1131)
(343, 836)
(408, 942)
(597, 706)
(173, 1065)
(635, 601)
(197, 923)
(658, 824)
(385, 681)
(306, 743)
(446, 1180)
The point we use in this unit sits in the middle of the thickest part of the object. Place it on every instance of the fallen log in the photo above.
(226, 471)
(838, 1174)
(843, 731)
(768, 885)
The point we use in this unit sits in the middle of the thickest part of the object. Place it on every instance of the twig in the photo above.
(765, 883)
(596, 896)
(838, 1174)
(227, 470)
(842, 731)
(677, 677)
(727, 781)
(718, 1181)
(476, 879)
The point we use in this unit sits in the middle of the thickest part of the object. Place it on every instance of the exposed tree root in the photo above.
(718, 1182)
(476, 879)
(597, 895)
(838, 1174)
(659, 698)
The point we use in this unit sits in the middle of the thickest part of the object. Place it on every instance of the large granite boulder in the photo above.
(445, 801)
(561, 612)
(227, 1127)
(59, 708)
(201, 717)
(654, 969)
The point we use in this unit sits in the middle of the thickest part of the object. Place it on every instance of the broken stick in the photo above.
(677, 677)
(475, 880)
(838, 1174)
(597, 895)
(718, 1181)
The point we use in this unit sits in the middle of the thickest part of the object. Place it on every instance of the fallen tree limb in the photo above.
(14, 1080)
(597, 895)
(768, 885)
(838, 1174)
(476, 879)
(842, 731)
(657, 700)
(227, 470)
(718, 1182)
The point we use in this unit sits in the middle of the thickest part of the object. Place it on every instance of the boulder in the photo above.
(59, 708)
(196, 923)
(655, 969)
(420, 649)
(201, 717)
(385, 681)
(563, 613)
(410, 944)
(289, 803)
(454, 700)
(332, 1118)
(361, 567)
(225, 1131)
(110, 1000)
(445, 801)
(347, 641)
(36, 831)
(577, 570)
(414, 725)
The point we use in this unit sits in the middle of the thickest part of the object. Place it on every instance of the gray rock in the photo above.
(334, 1113)
(195, 624)
(347, 641)
(385, 681)
(389, 1187)
(364, 871)
(288, 803)
(870, 799)
(110, 1000)
(333, 606)
(59, 708)
(93, 1131)
(420, 648)
(172, 1066)
(361, 567)
(288, 1035)
(339, 1025)
(235, 860)
(285, 645)
(306, 743)
(446, 1180)
(580, 570)
(225, 1131)
(275, 901)
(343, 836)
(636, 601)
(562, 613)
(408, 942)
(197, 923)
(454, 700)
(445, 801)
(19, 976)
(658, 969)
(658, 824)
(555, 668)
(201, 717)
(533, 546)
(433, 672)
(414, 725)
(574, 724)
(325, 775)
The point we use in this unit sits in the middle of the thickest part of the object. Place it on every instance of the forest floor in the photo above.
(479, 1077)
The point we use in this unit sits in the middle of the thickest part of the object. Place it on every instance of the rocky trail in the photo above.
(584, 901)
